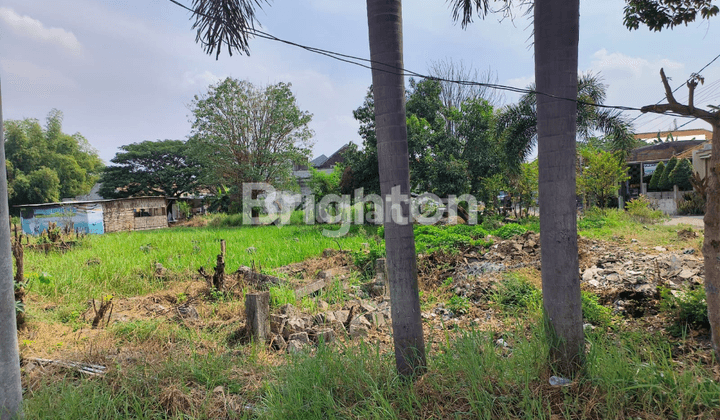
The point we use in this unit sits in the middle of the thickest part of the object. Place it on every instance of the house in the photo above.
(321, 163)
(98, 216)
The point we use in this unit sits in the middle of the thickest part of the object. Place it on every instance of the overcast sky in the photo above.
(125, 71)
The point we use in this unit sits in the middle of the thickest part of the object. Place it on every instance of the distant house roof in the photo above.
(679, 135)
(64, 203)
(318, 161)
(334, 159)
(662, 151)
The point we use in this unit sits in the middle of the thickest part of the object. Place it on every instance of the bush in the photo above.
(691, 203)
(641, 210)
(665, 183)
(458, 305)
(682, 174)
(687, 309)
(656, 176)
(509, 230)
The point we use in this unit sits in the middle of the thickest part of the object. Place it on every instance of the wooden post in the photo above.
(219, 276)
(257, 312)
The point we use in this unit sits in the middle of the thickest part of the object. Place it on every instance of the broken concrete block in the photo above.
(277, 323)
(326, 335)
(301, 337)
(295, 346)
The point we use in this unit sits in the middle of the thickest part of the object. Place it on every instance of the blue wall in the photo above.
(85, 218)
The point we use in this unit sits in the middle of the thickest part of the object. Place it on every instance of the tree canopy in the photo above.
(151, 168)
(44, 164)
(245, 133)
(660, 14)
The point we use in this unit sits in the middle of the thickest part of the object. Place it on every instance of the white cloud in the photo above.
(631, 66)
(33, 28)
(195, 79)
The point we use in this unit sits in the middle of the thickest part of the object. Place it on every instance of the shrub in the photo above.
(665, 183)
(458, 304)
(691, 203)
(655, 180)
(364, 260)
(509, 230)
(682, 174)
(687, 309)
(641, 210)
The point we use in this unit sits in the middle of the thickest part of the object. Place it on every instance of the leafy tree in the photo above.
(659, 14)
(682, 175)
(524, 187)
(665, 183)
(45, 164)
(151, 168)
(322, 183)
(655, 179)
(600, 174)
(244, 133)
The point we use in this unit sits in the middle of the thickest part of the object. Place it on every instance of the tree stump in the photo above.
(219, 276)
(257, 312)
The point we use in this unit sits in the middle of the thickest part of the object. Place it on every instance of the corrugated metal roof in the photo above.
(63, 203)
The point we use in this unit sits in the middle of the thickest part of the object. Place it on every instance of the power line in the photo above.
(359, 61)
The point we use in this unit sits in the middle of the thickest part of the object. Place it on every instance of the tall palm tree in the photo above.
(10, 387)
(556, 63)
(517, 123)
(386, 53)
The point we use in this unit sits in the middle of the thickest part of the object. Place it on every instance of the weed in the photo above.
(458, 304)
(640, 209)
(516, 292)
(281, 295)
(687, 309)
(594, 312)
(509, 230)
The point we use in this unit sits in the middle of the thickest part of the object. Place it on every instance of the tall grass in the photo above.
(123, 263)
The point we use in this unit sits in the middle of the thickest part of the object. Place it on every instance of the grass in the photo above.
(123, 264)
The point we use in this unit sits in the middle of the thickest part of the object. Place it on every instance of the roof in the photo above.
(318, 160)
(64, 203)
(334, 159)
(662, 151)
(697, 132)
(688, 154)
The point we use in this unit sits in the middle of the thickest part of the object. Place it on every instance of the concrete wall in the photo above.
(666, 201)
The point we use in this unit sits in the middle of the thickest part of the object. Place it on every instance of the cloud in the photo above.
(195, 79)
(33, 28)
(636, 67)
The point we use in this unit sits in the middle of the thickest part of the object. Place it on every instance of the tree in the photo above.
(556, 61)
(659, 14)
(654, 184)
(665, 183)
(682, 175)
(711, 243)
(385, 35)
(517, 123)
(600, 174)
(47, 164)
(243, 133)
(10, 386)
(151, 168)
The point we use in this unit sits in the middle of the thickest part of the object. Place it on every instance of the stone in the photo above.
(293, 325)
(326, 335)
(342, 316)
(358, 330)
(187, 312)
(294, 346)
(301, 337)
(251, 250)
(277, 323)
(289, 309)
(686, 274)
(278, 342)
(660, 249)
(375, 318)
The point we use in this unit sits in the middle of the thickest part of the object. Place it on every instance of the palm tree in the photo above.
(385, 32)
(10, 387)
(556, 62)
(517, 123)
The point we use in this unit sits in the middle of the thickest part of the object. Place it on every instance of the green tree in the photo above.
(46, 164)
(665, 183)
(659, 14)
(524, 186)
(682, 174)
(244, 133)
(323, 183)
(654, 184)
(151, 168)
(600, 174)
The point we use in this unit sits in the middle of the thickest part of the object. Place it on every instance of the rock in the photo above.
(277, 323)
(342, 316)
(251, 250)
(359, 327)
(329, 274)
(187, 312)
(375, 318)
(660, 249)
(501, 343)
(591, 273)
(293, 325)
(160, 271)
(328, 252)
(301, 337)
(648, 290)
(689, 251)
(594, 283)
(289, 310)
(295, 346)
(686, 274)
(326, 335)
(323, 306)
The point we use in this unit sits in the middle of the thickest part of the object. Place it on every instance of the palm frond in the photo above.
(228, 22)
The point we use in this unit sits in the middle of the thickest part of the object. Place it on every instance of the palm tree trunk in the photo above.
(556, 63)
(10, 388)
(385, 33)
(711, 244)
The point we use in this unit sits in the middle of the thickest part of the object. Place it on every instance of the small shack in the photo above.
(98, 216)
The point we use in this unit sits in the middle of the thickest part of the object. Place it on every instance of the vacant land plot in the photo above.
(171, 346)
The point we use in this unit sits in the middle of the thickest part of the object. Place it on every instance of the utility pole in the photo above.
(10, 388)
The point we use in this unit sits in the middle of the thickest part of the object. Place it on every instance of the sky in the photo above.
(126, 71)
